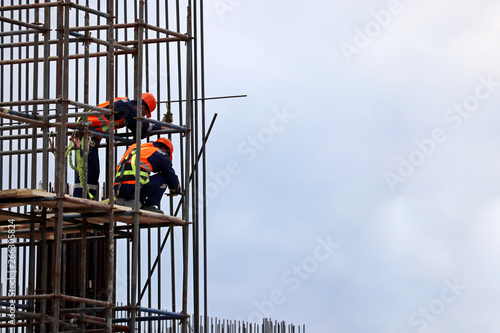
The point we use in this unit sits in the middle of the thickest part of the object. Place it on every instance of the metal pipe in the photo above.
(46, 93)
(160, 132)
(98, 321)
(136, 25)
(20, 152)
(33, 136)
(195, 182)
(203, 99)
(91, 309)
(24, 297)
(55, 58)
(138, 63)
(4, 111)
(184, 37)
(204, 174)
(179, 60)
(91, 11)
(62, 93)
(34, 161)
(160, 123)
(110, 264)
(29, 6)
(14, 127)
(43, 273)
(158, 90)
(153, 41)
(85, 114)
(150, 318)
(24, 24)
(30, 102)
(109, 136)
(23, 119)
(86, 301)
(103, 111)
(32, 43)
(185, 213)
(16, 33)
(102, 42)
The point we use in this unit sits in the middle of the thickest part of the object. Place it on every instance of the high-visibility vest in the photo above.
(101, 124)
(125, 171)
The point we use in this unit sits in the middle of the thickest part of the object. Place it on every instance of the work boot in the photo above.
(124, 202)
(151, 208)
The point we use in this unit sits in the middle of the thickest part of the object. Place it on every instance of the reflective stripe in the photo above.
(126, 169)
(143, 174)
(101, 124)
(91, 186)
(131, 172)
(147, 167)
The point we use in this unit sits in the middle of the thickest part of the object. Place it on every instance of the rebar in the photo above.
(54, 72)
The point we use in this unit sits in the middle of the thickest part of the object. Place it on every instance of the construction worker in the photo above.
(156, 157)
(125, 116)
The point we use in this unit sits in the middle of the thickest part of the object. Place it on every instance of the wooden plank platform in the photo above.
(22, 197)
(75, 211)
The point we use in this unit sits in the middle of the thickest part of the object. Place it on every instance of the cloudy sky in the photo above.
(357, 187)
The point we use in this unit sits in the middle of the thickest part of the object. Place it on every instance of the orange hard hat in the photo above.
(167, 143)
(150, 100)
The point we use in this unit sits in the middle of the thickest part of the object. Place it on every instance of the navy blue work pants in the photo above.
(151, 193)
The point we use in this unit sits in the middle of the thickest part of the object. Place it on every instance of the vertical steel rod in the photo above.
(111, 161)
(189, 111)
(59, 175)
(63, 69)
(34, 141)
(204, 163)
(182, 147)
(136, 233)
(45, 166)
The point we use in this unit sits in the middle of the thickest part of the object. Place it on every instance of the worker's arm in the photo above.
(164, 164)
(125, 110)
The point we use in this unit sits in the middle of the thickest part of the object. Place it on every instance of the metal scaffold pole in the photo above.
(85, 262)
(187, 163)
(110, 263)
(62, 109)
(138, 70)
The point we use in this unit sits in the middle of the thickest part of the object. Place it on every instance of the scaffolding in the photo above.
(72, 264)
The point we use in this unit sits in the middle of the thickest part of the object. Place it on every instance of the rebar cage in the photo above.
(76, 264)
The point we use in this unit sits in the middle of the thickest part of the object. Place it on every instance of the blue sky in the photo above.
(356, 188)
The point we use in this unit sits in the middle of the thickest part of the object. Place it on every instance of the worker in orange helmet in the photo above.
(156, 158)
(125, 116)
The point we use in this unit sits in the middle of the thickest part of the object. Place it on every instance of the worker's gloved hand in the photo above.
(168, 117)
(175, 191)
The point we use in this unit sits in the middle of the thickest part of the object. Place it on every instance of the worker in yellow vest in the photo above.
(125, 116)
(156, 175)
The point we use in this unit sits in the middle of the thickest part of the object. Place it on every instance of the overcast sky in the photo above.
(357, 187)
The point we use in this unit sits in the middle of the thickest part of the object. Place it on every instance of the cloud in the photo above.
(324, 174)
